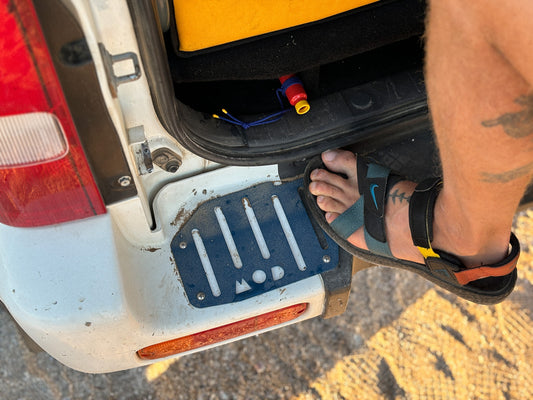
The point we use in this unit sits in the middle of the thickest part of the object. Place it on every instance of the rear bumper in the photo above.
(93, 292)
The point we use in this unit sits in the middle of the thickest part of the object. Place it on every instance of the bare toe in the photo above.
(341, 161)
(331, 178)
(336, 193)
(331, 185)
(330, 205)
(331, 216)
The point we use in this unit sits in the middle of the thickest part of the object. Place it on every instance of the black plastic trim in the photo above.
(337, 285)
(393, 106)
(76, 71)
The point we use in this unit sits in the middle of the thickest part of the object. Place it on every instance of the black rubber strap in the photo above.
(421, 211)
(373, 188)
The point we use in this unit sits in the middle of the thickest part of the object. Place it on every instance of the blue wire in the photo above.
(289, 82)
(246, 125)
(268, 119)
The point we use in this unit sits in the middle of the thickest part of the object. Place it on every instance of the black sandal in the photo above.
(486, 284)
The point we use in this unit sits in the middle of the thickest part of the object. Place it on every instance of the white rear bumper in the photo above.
(93, 292)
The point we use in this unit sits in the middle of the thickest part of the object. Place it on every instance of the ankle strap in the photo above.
(504, 267)
(421, 214)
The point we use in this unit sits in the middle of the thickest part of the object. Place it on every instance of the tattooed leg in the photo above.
(480, 89)
(400, 196)
(518, 124)
(479, 81)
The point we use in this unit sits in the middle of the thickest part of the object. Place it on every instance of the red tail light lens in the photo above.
(44, 174)
(222, 333)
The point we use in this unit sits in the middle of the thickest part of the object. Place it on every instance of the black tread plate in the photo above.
(222, 260)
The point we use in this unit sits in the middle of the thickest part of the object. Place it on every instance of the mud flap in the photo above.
(253, 241)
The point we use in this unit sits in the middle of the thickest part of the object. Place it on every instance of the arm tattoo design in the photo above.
(516, 125)
(400, 196)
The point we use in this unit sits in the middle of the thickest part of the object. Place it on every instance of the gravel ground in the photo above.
(401, 338)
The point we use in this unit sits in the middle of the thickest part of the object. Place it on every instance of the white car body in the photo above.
(93, 292)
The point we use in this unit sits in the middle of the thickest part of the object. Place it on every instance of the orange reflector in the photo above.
(222, 333)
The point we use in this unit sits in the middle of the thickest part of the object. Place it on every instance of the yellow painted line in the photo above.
(439, 349)
(154, 371)
(442, 347)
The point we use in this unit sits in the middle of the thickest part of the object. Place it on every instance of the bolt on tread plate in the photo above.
(249, 242)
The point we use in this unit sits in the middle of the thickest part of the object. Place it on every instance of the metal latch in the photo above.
(140, 149)
(110, 59)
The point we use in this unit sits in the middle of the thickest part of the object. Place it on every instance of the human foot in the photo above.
(381, 224)
(335, 194)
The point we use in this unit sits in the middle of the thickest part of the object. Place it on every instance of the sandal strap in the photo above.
(372, 179)
(421, 210)
(374, 183)
(350, 220)
(504, 267)
(369, 210)
(448, 266)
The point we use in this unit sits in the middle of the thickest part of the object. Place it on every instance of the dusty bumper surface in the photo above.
(400, 338)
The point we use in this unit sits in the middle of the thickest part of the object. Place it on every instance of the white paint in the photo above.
(277, 272)
(256, 229)
(133, 297)
(295, 249)
(259, 276)
(242, 286)
(206, 263)
(185, 195)
(228, 237)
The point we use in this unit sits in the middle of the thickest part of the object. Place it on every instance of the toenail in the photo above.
(320, 199)
(314, 174)
(329, 155)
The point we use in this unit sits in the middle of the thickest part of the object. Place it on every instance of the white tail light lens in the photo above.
(32, 138)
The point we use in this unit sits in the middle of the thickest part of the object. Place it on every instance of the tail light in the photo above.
(44, 175)
(222, 333)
